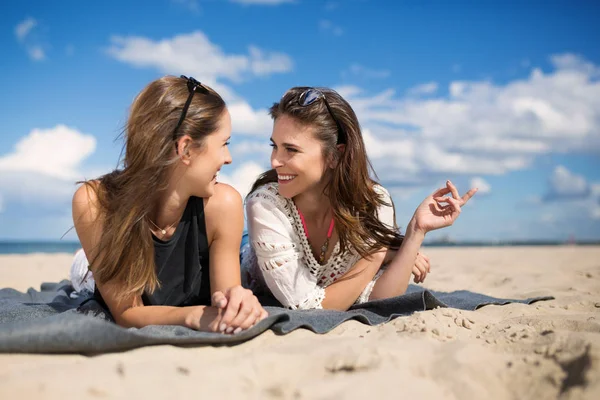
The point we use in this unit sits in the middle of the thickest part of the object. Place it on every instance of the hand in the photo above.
(432, 214)
(421, 268)
(240, 309)
(203, 318)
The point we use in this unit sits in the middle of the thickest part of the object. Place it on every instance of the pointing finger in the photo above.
(468, 195)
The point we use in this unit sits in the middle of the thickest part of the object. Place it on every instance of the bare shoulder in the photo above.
(85, 203)
(225, 200)
(224, 213)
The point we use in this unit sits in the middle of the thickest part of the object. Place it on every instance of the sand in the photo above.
(546, 350)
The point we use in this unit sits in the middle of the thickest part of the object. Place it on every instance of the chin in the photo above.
(207, 191)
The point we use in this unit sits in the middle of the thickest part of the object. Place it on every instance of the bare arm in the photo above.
(341, 294)
(129, 312)
(394, 280)
(224, 215)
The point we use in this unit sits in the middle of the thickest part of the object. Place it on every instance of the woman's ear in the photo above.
(341, 148)
(183, 148)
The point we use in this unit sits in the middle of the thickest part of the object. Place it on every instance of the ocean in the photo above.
(38, 247)
(22, 247)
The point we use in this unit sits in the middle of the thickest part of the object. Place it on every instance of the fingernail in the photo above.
(222, 327)
(229, 330)
(237, 330)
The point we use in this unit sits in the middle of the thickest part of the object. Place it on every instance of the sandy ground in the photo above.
(546, 350)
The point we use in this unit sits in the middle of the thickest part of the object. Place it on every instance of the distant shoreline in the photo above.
(30, 247)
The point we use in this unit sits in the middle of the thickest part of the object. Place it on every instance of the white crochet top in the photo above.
(280, 258)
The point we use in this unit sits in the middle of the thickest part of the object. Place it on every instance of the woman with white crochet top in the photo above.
(322, 231)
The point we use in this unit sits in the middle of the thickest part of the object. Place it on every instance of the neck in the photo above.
(315, 206)
(170, 205)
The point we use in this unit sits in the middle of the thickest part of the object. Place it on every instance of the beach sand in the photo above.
(546, 350)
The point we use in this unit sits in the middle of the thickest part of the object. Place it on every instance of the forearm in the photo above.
(344, 292)
(195, 317)
(394, 280)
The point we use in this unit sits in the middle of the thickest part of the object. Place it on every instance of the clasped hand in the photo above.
(238, 309)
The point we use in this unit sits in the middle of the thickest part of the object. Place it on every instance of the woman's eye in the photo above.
(227, 143)
(292, 150)
(272, 145)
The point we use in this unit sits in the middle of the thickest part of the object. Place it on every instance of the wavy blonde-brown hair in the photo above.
(126, 196)
(350, 187)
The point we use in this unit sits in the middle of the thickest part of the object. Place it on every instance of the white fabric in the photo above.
(280, 257)
(80, 275)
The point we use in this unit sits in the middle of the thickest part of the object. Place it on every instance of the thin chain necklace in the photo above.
(163, 232)
(329, 233)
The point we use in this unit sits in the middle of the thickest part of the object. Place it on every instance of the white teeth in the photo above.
(285, 177)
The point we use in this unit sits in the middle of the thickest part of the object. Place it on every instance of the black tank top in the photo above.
(181, 263)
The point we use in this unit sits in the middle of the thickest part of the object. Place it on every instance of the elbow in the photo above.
(126, 318)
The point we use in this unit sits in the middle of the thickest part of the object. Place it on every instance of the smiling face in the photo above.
(297, 157)
(205, 161)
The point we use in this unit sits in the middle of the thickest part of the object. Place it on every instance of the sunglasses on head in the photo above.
(193, 86)
(311, 95)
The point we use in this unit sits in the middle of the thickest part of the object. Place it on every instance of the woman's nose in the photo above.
(275, 163)
(228, 158)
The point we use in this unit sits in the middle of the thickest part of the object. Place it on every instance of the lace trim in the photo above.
(314, 301)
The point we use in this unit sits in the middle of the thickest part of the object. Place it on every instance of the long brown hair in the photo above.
(127, 196)
(350, 187)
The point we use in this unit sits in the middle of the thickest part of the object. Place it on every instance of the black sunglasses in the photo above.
(193, 86)
(309, 96)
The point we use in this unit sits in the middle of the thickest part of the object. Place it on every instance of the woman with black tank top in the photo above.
(162, 236)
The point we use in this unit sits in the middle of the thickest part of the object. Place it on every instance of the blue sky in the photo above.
(502, 95)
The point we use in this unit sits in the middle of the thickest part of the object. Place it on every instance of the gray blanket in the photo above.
(52, 321)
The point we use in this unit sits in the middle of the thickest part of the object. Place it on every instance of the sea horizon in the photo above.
(47, 246)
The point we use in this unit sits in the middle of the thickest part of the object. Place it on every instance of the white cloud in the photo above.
(24, 28)
(480, 183)
(481, 127)
(194, 54)
(55, 152)
(329, 27)
(425, 88)
(244, 119)
(36, 53)
(243, 177)
(357, 70)
(263, 63)
(24, 33)
(565, 184)
(260, 150)
(347, 91)
(262, 2)
(570, 197)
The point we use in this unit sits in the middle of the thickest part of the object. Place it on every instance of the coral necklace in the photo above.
(329, 233)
